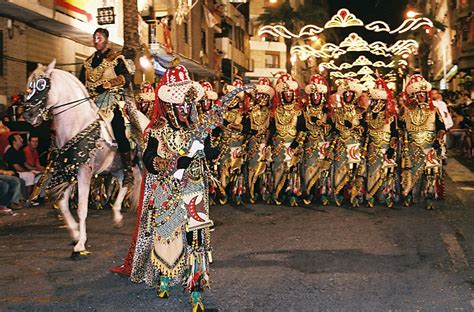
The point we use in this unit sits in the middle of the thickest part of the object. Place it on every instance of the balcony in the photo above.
(229, 52)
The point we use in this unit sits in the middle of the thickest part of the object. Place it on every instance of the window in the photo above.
(203, 40)
(186, 35)
(272, 59)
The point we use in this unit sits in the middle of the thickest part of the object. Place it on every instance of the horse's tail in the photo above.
(136, 187)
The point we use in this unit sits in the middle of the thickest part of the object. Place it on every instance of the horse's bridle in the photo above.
(38, 96)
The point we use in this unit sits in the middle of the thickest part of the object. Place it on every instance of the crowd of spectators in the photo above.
(460, 136)
(23, 157)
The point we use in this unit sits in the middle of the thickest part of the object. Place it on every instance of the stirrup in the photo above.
(163, 291)
(196, 302)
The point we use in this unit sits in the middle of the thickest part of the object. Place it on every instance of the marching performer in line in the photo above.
(288, 136)
(423, 131)
(205, 111)
(259, 150)
(317, 158)
(350, 127)
(382, 145)
(233, 144)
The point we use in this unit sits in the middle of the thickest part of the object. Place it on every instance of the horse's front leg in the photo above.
(83, 178)
(117, 207)
(63, 205)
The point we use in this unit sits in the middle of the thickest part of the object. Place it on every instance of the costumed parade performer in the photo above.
(233, 144)
(288, 135)
(172, 242)
(106, 76)
(320, 143)
(423, 131)
(259, 149)
(382, 146)
(350, 127)
(205, 108)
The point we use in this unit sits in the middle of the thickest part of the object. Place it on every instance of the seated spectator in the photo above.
(31, 155)
(15, 159)
(460, 131)
(3, 195)
(12, 191)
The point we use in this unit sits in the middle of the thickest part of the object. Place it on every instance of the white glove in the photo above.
(197, 146)
(178, 174)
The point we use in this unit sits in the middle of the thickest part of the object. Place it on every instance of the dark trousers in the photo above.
(118, 126)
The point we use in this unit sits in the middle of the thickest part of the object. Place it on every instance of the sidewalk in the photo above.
(459, 184)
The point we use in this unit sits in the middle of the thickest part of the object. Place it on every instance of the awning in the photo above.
(161, 56)
(50, 21)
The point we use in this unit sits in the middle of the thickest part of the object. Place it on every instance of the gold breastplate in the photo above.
(350, 114)
(260, 119)
(286, 119)
(316, 127)
(420, 119)
(96, 76)
(233, 116)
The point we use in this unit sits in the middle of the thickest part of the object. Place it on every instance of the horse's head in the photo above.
(37, 106)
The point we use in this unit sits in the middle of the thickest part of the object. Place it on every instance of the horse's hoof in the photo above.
(118, 224)
(79, 255)
(389, 203)
(252, 201)
(370, 202)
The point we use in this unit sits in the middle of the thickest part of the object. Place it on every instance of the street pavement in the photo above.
(266, 258)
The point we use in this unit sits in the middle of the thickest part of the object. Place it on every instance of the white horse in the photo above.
(60, 95)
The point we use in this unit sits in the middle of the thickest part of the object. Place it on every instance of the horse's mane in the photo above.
(67, 80)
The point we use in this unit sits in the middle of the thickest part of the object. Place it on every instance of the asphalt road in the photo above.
(266, 258)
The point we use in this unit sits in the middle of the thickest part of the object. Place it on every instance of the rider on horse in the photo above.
(105, 75)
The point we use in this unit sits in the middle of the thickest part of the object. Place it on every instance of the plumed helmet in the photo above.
(417, 83)
(317, 83)
(285, 82)
(265, 86)
(175, 83)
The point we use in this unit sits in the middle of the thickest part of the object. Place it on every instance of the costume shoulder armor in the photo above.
(114, 55)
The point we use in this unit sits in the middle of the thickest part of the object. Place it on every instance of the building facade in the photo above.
(267, 55)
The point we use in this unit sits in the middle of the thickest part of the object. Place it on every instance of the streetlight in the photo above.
(412, 14)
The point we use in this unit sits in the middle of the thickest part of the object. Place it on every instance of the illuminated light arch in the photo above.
(366, 70)
(362, 61)
(354, 43)
(343, 18)
(412, 24)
